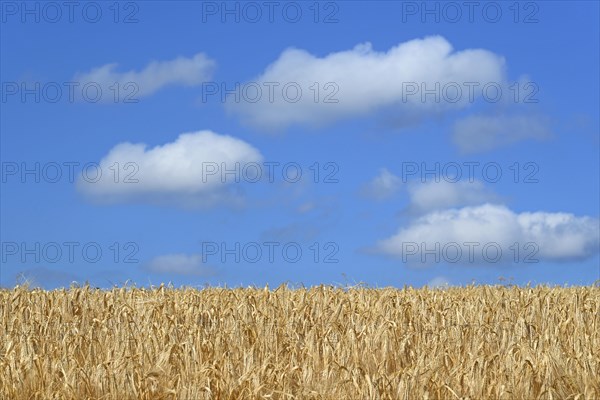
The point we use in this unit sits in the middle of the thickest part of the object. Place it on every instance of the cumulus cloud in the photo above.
(430, 196)
(361, 81)
(181, 71)
(539, 236)
(188, 171)
(478, 133)
(179, 264)
(382, 186)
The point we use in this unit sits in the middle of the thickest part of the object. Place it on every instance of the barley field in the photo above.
(476, 342)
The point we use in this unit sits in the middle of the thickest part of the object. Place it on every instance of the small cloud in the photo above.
(186, 172)
(479, 133)
(306, 207)
(439, 282)
(383, 186)
(179, 264)
(295, 232)
(430, 196)
(181, 71)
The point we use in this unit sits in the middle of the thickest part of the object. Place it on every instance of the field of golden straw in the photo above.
(474, 342)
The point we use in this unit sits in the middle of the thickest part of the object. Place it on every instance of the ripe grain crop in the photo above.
(475, 342)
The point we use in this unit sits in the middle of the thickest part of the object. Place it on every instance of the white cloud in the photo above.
(382, 186)
(368, 81)
(188, 171)
(179, 264)
(479, 133)
(156, 75)
(439, 282)
(557, 236)
(430, 196)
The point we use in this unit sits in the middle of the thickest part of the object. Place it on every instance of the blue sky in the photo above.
(359, 98)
